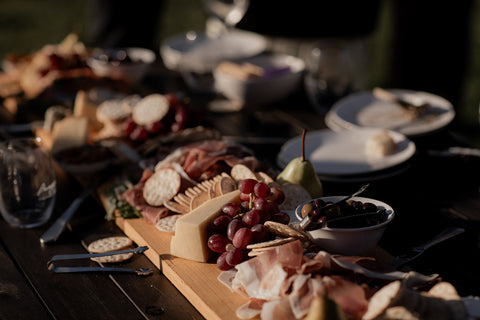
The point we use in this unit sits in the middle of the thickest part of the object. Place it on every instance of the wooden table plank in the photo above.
(17, 299)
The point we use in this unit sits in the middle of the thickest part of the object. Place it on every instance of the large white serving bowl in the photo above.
(103, 63)
(349, 241)
(283, 75)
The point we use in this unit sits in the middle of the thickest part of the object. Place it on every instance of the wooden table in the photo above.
(428, 193)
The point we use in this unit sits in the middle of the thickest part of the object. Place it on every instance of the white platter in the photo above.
(363, 109)
(343, 152)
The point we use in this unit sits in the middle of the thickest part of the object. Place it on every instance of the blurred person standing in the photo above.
(123, 23)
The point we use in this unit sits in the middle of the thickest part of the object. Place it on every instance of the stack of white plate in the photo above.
(363, 109)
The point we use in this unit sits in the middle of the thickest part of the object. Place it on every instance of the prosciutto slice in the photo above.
(287, 281)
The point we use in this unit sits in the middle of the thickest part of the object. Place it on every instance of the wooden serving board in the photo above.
(196, 281)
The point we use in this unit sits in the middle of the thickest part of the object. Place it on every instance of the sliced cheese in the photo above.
(84, 107)
(190, 239)
(69, 132)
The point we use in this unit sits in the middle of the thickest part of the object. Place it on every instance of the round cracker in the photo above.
(168, 223)
(113, 110)
(113, 258)
(109, 244)
(150, 109)
(163, 185)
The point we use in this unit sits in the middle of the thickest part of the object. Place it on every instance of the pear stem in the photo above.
(303, 144)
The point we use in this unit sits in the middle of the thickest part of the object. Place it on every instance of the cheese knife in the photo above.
(415, 252)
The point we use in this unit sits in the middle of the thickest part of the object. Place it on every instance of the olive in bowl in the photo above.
(355, 235)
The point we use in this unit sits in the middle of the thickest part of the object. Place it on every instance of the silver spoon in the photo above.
(308, 219)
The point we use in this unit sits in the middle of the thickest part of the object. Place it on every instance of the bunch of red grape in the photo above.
(242, 224)
(175, 120)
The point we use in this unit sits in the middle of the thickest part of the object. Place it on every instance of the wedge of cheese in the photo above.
(190, 239)
(69, 133)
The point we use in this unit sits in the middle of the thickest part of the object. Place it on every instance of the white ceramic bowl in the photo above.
(283, 76)
(349, 241)
(104, 63)
(195, 55)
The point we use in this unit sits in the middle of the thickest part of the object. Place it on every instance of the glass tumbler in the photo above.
(328, 75)
(27, 183)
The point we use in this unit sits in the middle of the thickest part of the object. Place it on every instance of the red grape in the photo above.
(276, 195)
(242, 238)
(260, 204)
(218, 243)
(128, 126)
(222, 262)
(262, 190)
(281, 217)
(233, 227)
(231, 209)
(245, 196)
(235, 256)
(247, 185)
(219, 225)
(272, 207)
(245, 205)
(139, 134)
(260, 233)
(251, 218)
(155, 127)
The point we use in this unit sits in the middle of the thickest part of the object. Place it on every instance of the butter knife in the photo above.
(59, 225)
(417, 251)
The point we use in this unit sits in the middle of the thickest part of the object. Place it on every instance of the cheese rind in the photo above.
(190, 239)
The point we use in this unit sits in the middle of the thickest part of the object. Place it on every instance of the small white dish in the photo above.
(282, 75)
(363, 109)
(349, 241)
(124, 63)
(338, 153)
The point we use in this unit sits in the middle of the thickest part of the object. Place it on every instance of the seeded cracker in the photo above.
(150, 109)
(285, 231)
(109, 244)
(163, 185)
(168, 223)
(114, 259)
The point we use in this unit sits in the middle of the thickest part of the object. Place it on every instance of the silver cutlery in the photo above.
(416, 109)
(59, 225)
(418, 250)
(53, 268)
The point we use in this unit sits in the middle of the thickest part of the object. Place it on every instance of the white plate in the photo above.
(343, 152)
(199, 53)
(363, 109)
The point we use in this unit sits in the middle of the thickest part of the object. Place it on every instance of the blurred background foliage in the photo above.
(27, 25)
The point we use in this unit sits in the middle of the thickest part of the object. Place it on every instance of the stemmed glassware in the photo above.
(225, 14)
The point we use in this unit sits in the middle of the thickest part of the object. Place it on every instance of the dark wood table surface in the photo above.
(428, 194)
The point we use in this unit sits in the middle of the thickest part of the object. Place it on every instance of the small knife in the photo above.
(417, 251)
(58, 226)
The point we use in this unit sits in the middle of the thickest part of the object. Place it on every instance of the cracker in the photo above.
(241, 172)
(444, 290)
(176, 207)
(225, 185)
(109, 244)
(295, 194)
(113, 110)
(163, 185)
(265, 178)
(182, 199)
(113, 258)
(270, 244)
(168, 223)
(150, 109)
(285, 231)
(199, 199)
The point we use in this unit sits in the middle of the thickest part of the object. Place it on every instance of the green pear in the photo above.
(301, 171)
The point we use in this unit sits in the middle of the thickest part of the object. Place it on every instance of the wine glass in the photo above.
(224, 14)
(328, 75)
(27, 183)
